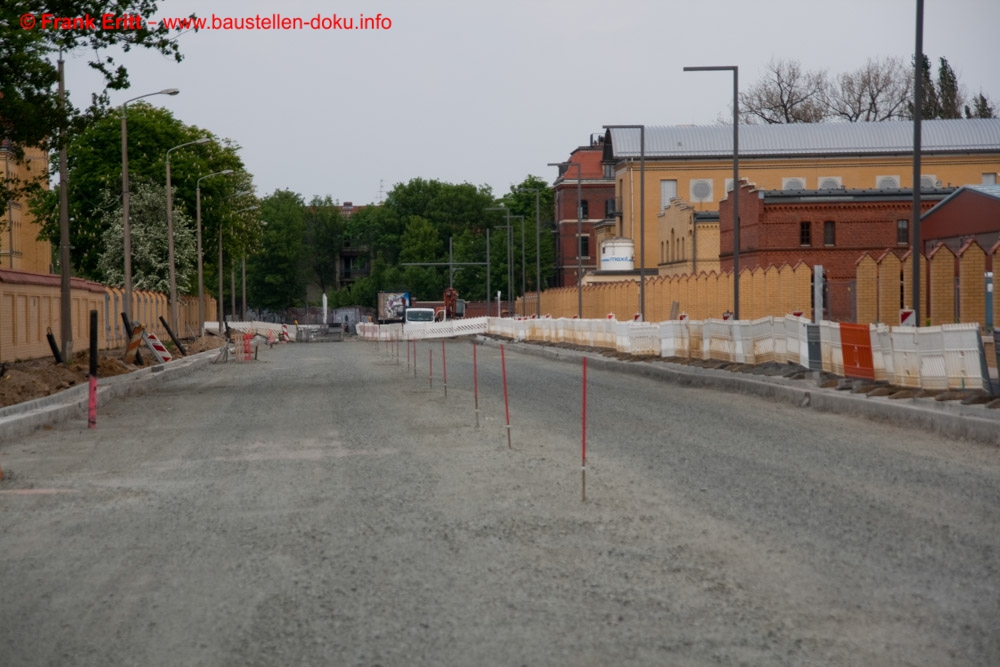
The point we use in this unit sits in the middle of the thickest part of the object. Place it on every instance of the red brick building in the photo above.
(831, 228)
(970, 213)
(597, 188)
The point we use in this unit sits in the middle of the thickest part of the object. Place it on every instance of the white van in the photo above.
(418, 315)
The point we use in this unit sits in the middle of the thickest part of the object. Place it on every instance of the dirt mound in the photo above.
(27, 380)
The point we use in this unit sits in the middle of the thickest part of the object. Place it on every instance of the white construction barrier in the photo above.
(945, 357)
(905, 357)
(831, 351)
(763, 342)
(637, 338)
(962, 363)
(674, 339)
(797, 340)
(718, 340)
(881, 352)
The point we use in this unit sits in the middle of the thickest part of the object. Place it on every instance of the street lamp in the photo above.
(642, 212)
(201, 288)
(126, 223)
(736, 175)
(170, 234)
(242, 210)
(579, 232)
(523, 286)
(538, 247)
(510, 249)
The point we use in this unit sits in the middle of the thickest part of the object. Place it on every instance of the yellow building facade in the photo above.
(688, 238)
(19, 247)
(695, 165)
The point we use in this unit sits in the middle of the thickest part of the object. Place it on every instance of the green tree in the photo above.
(277, 273)
(325, 235)
(950, 98)
(449, 207)
(150, 258)
(930, 106)
(31, 112)
(521, 201)
(94, 160)
(982, 107)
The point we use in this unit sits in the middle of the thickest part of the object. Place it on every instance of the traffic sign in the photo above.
(907, 317)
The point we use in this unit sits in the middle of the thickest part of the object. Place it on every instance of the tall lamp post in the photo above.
(736, 175)
(523, 285)
(579, 231)
(201, 275)
(510, 259)
(126, 222)
(918, 100)
(221, 275)
(642, 211)
(174, 317)
(538, 247)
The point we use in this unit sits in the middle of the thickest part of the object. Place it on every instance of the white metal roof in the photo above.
(688, 141)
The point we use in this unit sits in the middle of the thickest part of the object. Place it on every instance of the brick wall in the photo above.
(30, 305)
(972, 283)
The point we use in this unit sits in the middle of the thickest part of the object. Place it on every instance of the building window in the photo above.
(609, 170)
(829, 233)
(805, 233)
(668, 191)
(903, 232)
(989, 179)
(585, 245)
(609, 208)
(585, 210)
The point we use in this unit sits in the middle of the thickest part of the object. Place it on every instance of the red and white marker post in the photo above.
(475, 382)
(444, 368)
(506, 403)
(583, 449)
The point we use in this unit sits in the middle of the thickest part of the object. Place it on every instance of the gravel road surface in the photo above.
(326, 506)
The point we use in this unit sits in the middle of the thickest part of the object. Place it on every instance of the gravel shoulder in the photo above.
(326, 506)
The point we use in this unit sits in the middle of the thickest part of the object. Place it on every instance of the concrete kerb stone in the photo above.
(946, 418)
(23, 418)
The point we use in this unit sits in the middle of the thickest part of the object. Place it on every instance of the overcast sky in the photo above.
(488, 91)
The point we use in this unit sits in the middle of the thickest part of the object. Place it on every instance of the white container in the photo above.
(618, 255)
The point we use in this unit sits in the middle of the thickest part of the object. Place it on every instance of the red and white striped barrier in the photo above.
(154, 344)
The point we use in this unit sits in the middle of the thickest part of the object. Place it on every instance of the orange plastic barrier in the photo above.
(856, 343)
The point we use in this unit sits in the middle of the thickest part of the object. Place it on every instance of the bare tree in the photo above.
(786, 94)
(879, 90)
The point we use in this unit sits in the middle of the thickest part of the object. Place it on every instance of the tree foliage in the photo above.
(982, 107)
(418, 221)
(277, 274)
(325, 232)
(95, 177)
(880, 90)
(150, 256)
(787, 94)
(30, 109)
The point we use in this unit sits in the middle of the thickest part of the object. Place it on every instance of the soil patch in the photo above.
(27, 380)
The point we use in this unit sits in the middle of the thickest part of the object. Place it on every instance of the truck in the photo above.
(418, 315)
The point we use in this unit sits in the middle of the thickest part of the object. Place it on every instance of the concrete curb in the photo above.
(951, 419)
(21, 419)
